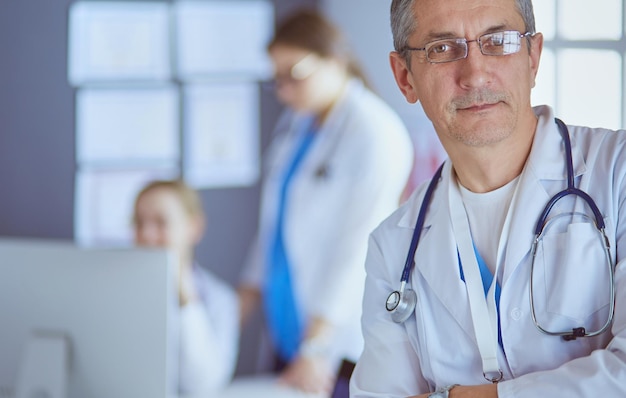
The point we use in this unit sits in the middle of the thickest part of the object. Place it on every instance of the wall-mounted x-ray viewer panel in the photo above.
(223, 38)
(127, 124)
(118, 41)
(104, 200)
(221, 135)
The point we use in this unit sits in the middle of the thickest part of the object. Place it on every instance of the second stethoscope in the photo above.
(401, 303)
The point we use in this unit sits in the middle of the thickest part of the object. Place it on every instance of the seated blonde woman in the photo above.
(169, 214)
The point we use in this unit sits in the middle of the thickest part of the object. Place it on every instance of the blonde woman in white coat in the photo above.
(169, 214)
(336, 168)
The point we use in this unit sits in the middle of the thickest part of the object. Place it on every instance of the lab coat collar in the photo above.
(353, 90)
(329, 133)
(438, 261)
(336, 117)
(546, 163)
(547, 156)
(414, 202)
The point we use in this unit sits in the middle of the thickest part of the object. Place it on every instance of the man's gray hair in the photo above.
(404, 21)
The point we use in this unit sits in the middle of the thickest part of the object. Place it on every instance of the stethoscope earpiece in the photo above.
(401, 304)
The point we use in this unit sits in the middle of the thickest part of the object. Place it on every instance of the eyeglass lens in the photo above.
(497, 43)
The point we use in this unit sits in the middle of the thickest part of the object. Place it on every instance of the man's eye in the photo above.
(440, 48)
(496, 41)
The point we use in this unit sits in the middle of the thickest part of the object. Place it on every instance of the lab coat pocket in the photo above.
(572, 264)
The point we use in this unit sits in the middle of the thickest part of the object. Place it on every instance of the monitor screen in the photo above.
(112, 307)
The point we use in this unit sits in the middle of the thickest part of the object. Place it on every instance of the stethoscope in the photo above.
(401, 303)
(322, 172)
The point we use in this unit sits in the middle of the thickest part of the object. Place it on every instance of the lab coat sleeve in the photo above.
(254, 266)
(199, 366)
(389, 366)
(209, 337)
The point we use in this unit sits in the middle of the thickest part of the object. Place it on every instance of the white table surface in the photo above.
(264, 386)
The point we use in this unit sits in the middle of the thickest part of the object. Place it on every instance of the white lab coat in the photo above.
(436, 346)
(208, 336)
(367, 154)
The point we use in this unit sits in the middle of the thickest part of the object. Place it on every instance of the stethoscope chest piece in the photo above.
(401, 304)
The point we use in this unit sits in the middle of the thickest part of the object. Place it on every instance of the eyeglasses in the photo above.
(299, 71)
(496, 43)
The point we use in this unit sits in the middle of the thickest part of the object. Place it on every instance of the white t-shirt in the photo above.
(486, 213)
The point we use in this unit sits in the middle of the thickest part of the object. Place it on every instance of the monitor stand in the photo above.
(44, 367)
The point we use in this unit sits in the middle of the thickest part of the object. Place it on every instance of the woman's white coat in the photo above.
(350, 180)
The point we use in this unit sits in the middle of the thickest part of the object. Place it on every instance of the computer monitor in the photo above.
(111, 306)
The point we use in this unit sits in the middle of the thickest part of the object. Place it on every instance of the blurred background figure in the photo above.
(169, 215)
(336, 167)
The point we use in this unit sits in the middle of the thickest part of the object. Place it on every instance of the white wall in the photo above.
(366, 24)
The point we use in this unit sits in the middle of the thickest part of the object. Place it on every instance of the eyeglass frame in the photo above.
(463, 41)
(300, 71)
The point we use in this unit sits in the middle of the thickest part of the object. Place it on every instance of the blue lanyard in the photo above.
(285, 322)
(487, 278)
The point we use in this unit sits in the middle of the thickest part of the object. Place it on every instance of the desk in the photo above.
(261, 387)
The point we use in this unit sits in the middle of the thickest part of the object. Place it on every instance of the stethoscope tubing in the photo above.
(419, 225)
(541, 223)
(571, 188)
(600, 226)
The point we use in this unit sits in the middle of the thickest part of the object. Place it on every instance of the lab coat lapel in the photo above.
(436, 257)
(278, 154)
(529, 201)
(546, 165)
(329, 133)
(436, 260)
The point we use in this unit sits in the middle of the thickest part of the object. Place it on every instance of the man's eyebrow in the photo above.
(452, 35)
(497, 28)
(440, 35)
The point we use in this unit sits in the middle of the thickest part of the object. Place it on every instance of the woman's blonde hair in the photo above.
(189, 198)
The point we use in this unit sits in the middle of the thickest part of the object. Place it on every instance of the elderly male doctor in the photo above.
(494, 314)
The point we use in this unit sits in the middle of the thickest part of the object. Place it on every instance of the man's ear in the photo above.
(535, 54)
(403, 76)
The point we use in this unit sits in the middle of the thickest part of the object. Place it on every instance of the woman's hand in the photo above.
(310, 374)
(186, 287)
(249, 299)
(311, 371)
